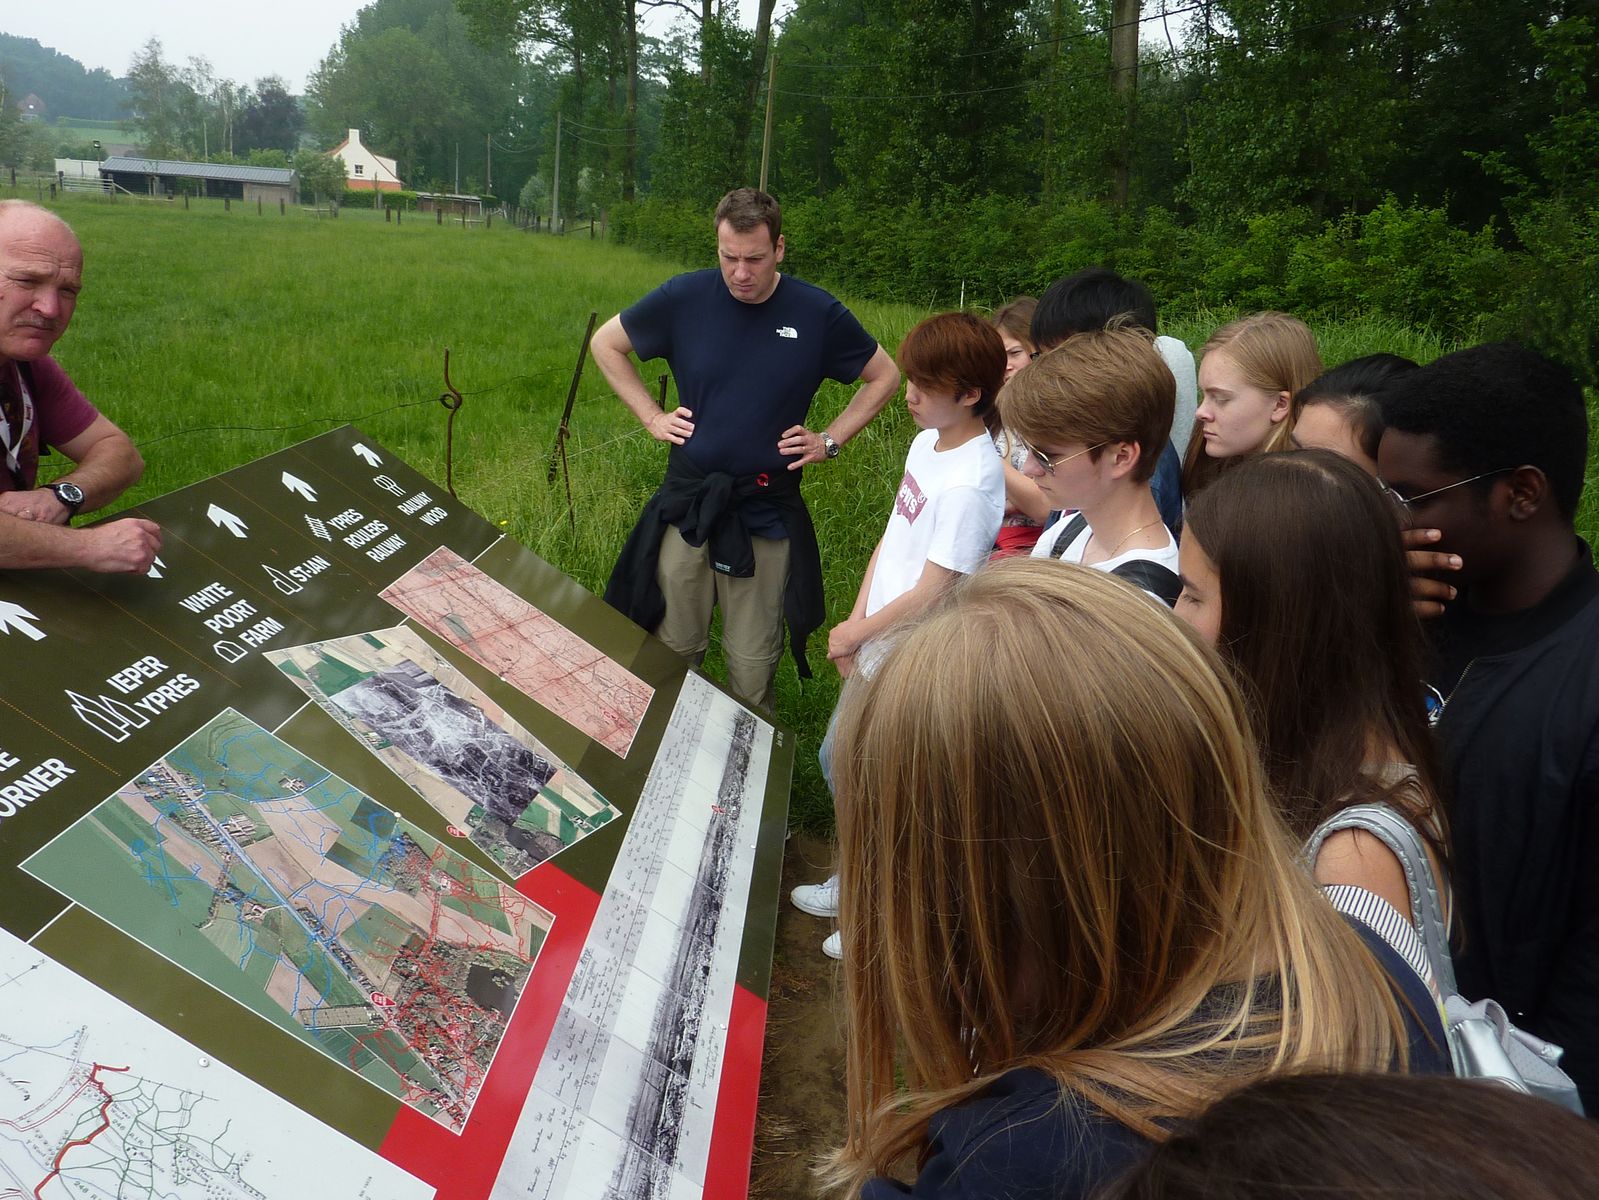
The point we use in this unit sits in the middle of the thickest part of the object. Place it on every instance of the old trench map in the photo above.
(98, 1102)
(282, 886)
(451, 743)
(525, 647)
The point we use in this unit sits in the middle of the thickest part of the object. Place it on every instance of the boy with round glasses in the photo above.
(1097, 411)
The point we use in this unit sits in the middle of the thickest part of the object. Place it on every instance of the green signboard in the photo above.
(353, 811)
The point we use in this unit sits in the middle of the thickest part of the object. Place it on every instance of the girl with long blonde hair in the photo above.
(1069, 915)
(1249, 372)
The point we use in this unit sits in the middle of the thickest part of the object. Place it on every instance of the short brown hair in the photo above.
(1108, 385)
(748, 208)
(958, 352)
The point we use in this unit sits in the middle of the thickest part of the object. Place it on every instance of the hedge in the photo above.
(1399, 261)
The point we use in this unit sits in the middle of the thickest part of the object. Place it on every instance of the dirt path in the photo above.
(801, 1109)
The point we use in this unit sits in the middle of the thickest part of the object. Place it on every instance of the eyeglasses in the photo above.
(1407, 503)
(1049, 464)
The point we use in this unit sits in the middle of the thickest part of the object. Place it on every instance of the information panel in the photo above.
(355, 851)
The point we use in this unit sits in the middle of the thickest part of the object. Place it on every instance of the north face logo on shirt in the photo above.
(910, 500)
(787, 331)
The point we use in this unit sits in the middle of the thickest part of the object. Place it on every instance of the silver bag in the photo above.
(1483, 1044)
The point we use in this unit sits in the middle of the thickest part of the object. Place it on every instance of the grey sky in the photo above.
(243, 39)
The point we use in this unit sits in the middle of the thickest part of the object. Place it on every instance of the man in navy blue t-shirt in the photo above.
(748, 347)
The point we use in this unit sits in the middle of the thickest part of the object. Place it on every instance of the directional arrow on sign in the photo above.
(372, 460)
(223, 519)
(156, 568)
(299, 486)
(14, 616)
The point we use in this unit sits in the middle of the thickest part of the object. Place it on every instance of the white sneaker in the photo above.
(833, 945)
(818, 899)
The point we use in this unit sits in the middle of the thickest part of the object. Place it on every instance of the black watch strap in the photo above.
(69, 494)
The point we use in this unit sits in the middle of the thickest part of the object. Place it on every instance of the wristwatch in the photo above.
(832, 448)
(69, 494)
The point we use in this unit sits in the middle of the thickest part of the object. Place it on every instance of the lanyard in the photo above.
(14, 448)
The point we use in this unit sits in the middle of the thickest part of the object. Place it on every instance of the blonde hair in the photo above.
(1274, 352)
(1062, 857)
(1107, 385)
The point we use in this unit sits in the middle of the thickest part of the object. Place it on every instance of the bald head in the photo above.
(27, 212)
(41, 272)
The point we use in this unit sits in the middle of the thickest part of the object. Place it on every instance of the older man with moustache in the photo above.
(41, 273)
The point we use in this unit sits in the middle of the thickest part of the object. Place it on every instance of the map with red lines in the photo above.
(99, 1102)
(525, 647)
(315, 907)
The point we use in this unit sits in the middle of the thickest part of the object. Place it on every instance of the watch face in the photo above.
(68, 493)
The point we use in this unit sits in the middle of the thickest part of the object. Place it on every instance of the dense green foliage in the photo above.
(65, 86)
(406, 74)
(190, 112)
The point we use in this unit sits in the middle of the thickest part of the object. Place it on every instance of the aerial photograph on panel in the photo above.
(285, 888)
(527, 648)
(440, 733)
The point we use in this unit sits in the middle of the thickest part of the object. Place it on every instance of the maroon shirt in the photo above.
(60, 413)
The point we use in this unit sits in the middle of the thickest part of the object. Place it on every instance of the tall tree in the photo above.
(408, 74)
(933, 100)
(1124, 83)
(1301, 107)
(157, 98)
(13, 135)
(270, 118)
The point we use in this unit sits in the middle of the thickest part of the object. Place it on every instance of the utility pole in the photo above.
(457, 167)
(555, 199)
(488, 163)
(766, 136)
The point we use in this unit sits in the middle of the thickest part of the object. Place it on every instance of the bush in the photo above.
(1396, 261)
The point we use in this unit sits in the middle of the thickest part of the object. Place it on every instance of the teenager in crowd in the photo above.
(1070, 915)
(1338, 410)
(1014, 320)
(1096, 298)
(1095, 411)
(1341, 411)
(1292, 567)
(945, 514)
(1373, 1137)
(1490, 446)
(1249, 371)
(1026, 509)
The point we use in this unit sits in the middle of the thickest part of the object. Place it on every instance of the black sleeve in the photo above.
(849, 346)
(648, 323)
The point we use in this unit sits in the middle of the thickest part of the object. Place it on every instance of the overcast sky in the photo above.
(243, 39)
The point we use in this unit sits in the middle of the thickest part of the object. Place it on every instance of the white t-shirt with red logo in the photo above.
(947, 511)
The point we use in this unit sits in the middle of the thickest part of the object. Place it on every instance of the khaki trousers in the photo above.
(752, 611)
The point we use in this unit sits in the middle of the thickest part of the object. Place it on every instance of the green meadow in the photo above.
(216, 337)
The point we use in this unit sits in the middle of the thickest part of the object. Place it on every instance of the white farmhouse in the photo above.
(364, 170)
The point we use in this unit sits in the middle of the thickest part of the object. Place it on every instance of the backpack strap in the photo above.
(1073, 530)
(1426, 907)
(1153, 578)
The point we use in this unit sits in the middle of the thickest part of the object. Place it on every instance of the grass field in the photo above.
(214, 338)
